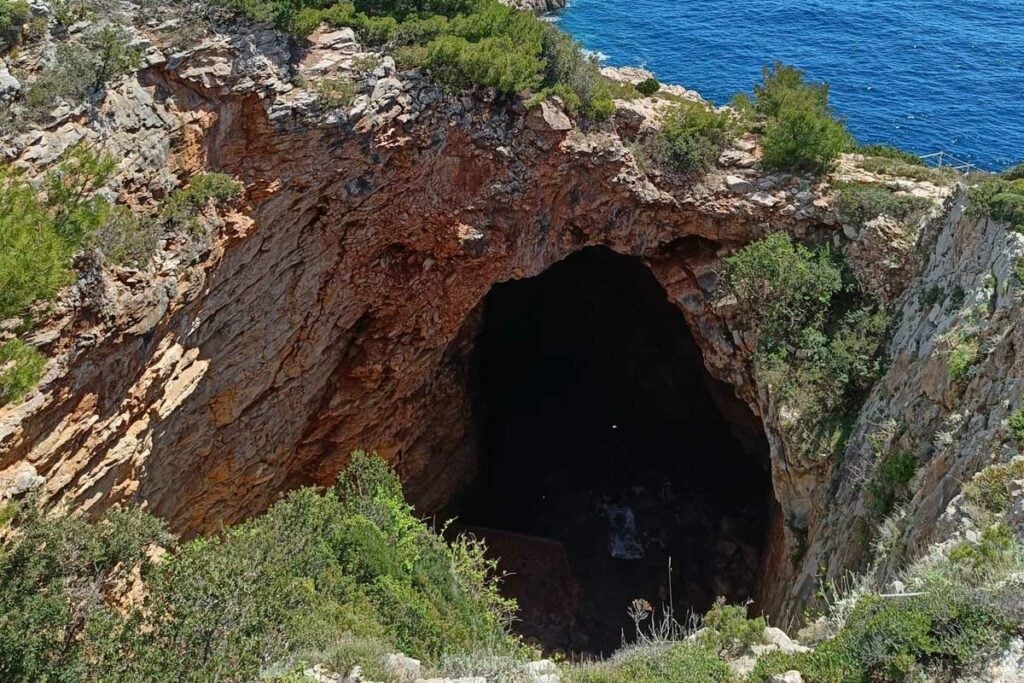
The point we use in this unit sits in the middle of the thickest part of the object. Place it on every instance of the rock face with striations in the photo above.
(336, 309)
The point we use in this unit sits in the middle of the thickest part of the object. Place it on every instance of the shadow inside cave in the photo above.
(604, 453)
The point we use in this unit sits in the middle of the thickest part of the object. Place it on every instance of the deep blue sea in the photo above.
(925, 75)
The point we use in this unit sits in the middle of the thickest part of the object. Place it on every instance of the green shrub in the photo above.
(679, 662)
(180, 211)
(21, 368)
(125, 240)
(493, 62)
(1014, 172)
(1018, 269)
(964, 355)
(462, 43)
(989, 489)
(648, 86)
(80, 68)
(890, 484)
(1002, 200)
(858, 203)
(695, 135)
(1016, 423)
(13, 13)
(992, 555)
(55, 577)
(333, 93)
(342, 574)
(784, 286)
(727, 631)
(800, 132)
(39, 231)
(897, 639)
(802, 138)
(819, 341)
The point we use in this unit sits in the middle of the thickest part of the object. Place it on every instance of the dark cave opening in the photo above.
(604, 453)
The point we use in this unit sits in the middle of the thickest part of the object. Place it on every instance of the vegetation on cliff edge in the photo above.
(319, 571)
(818, 337)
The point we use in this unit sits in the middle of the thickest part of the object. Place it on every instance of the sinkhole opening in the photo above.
(611, 465)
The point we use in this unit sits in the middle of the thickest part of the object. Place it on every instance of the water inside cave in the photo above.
(607, 469)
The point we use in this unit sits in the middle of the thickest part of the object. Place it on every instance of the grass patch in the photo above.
(680, 662)
(901, 169)
(858, 203)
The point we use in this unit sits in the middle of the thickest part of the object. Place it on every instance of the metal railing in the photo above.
(947, 160)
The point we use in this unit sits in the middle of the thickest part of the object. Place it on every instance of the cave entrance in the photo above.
(604, 452)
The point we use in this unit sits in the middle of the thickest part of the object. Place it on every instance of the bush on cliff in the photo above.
(801, 132)
(462, 43)
(957, 610)
(21, 368)
(1002, 200)
(694, 135)
(40, 230)
(318, 570)
(819, 340)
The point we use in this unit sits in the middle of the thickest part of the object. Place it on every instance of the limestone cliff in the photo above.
(335, 308)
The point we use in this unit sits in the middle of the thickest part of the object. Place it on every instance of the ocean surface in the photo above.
(925, 75)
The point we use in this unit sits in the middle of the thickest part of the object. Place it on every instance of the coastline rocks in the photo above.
(539, 6)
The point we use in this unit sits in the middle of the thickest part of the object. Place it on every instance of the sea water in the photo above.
(925, 75)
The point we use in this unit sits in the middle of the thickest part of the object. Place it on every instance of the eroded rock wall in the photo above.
(335, 310)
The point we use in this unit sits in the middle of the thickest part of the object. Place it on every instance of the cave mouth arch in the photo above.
(604, 452)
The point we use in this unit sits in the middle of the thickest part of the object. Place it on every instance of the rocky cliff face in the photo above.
(336, 309)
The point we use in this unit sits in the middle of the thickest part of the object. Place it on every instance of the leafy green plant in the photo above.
(81, 68)
(801, 133)
(964, 355)
(334, 575)
(21, 368)
(695, 135)
(890, 484)
(648, 86)
(39, 231)
(1003, 200)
